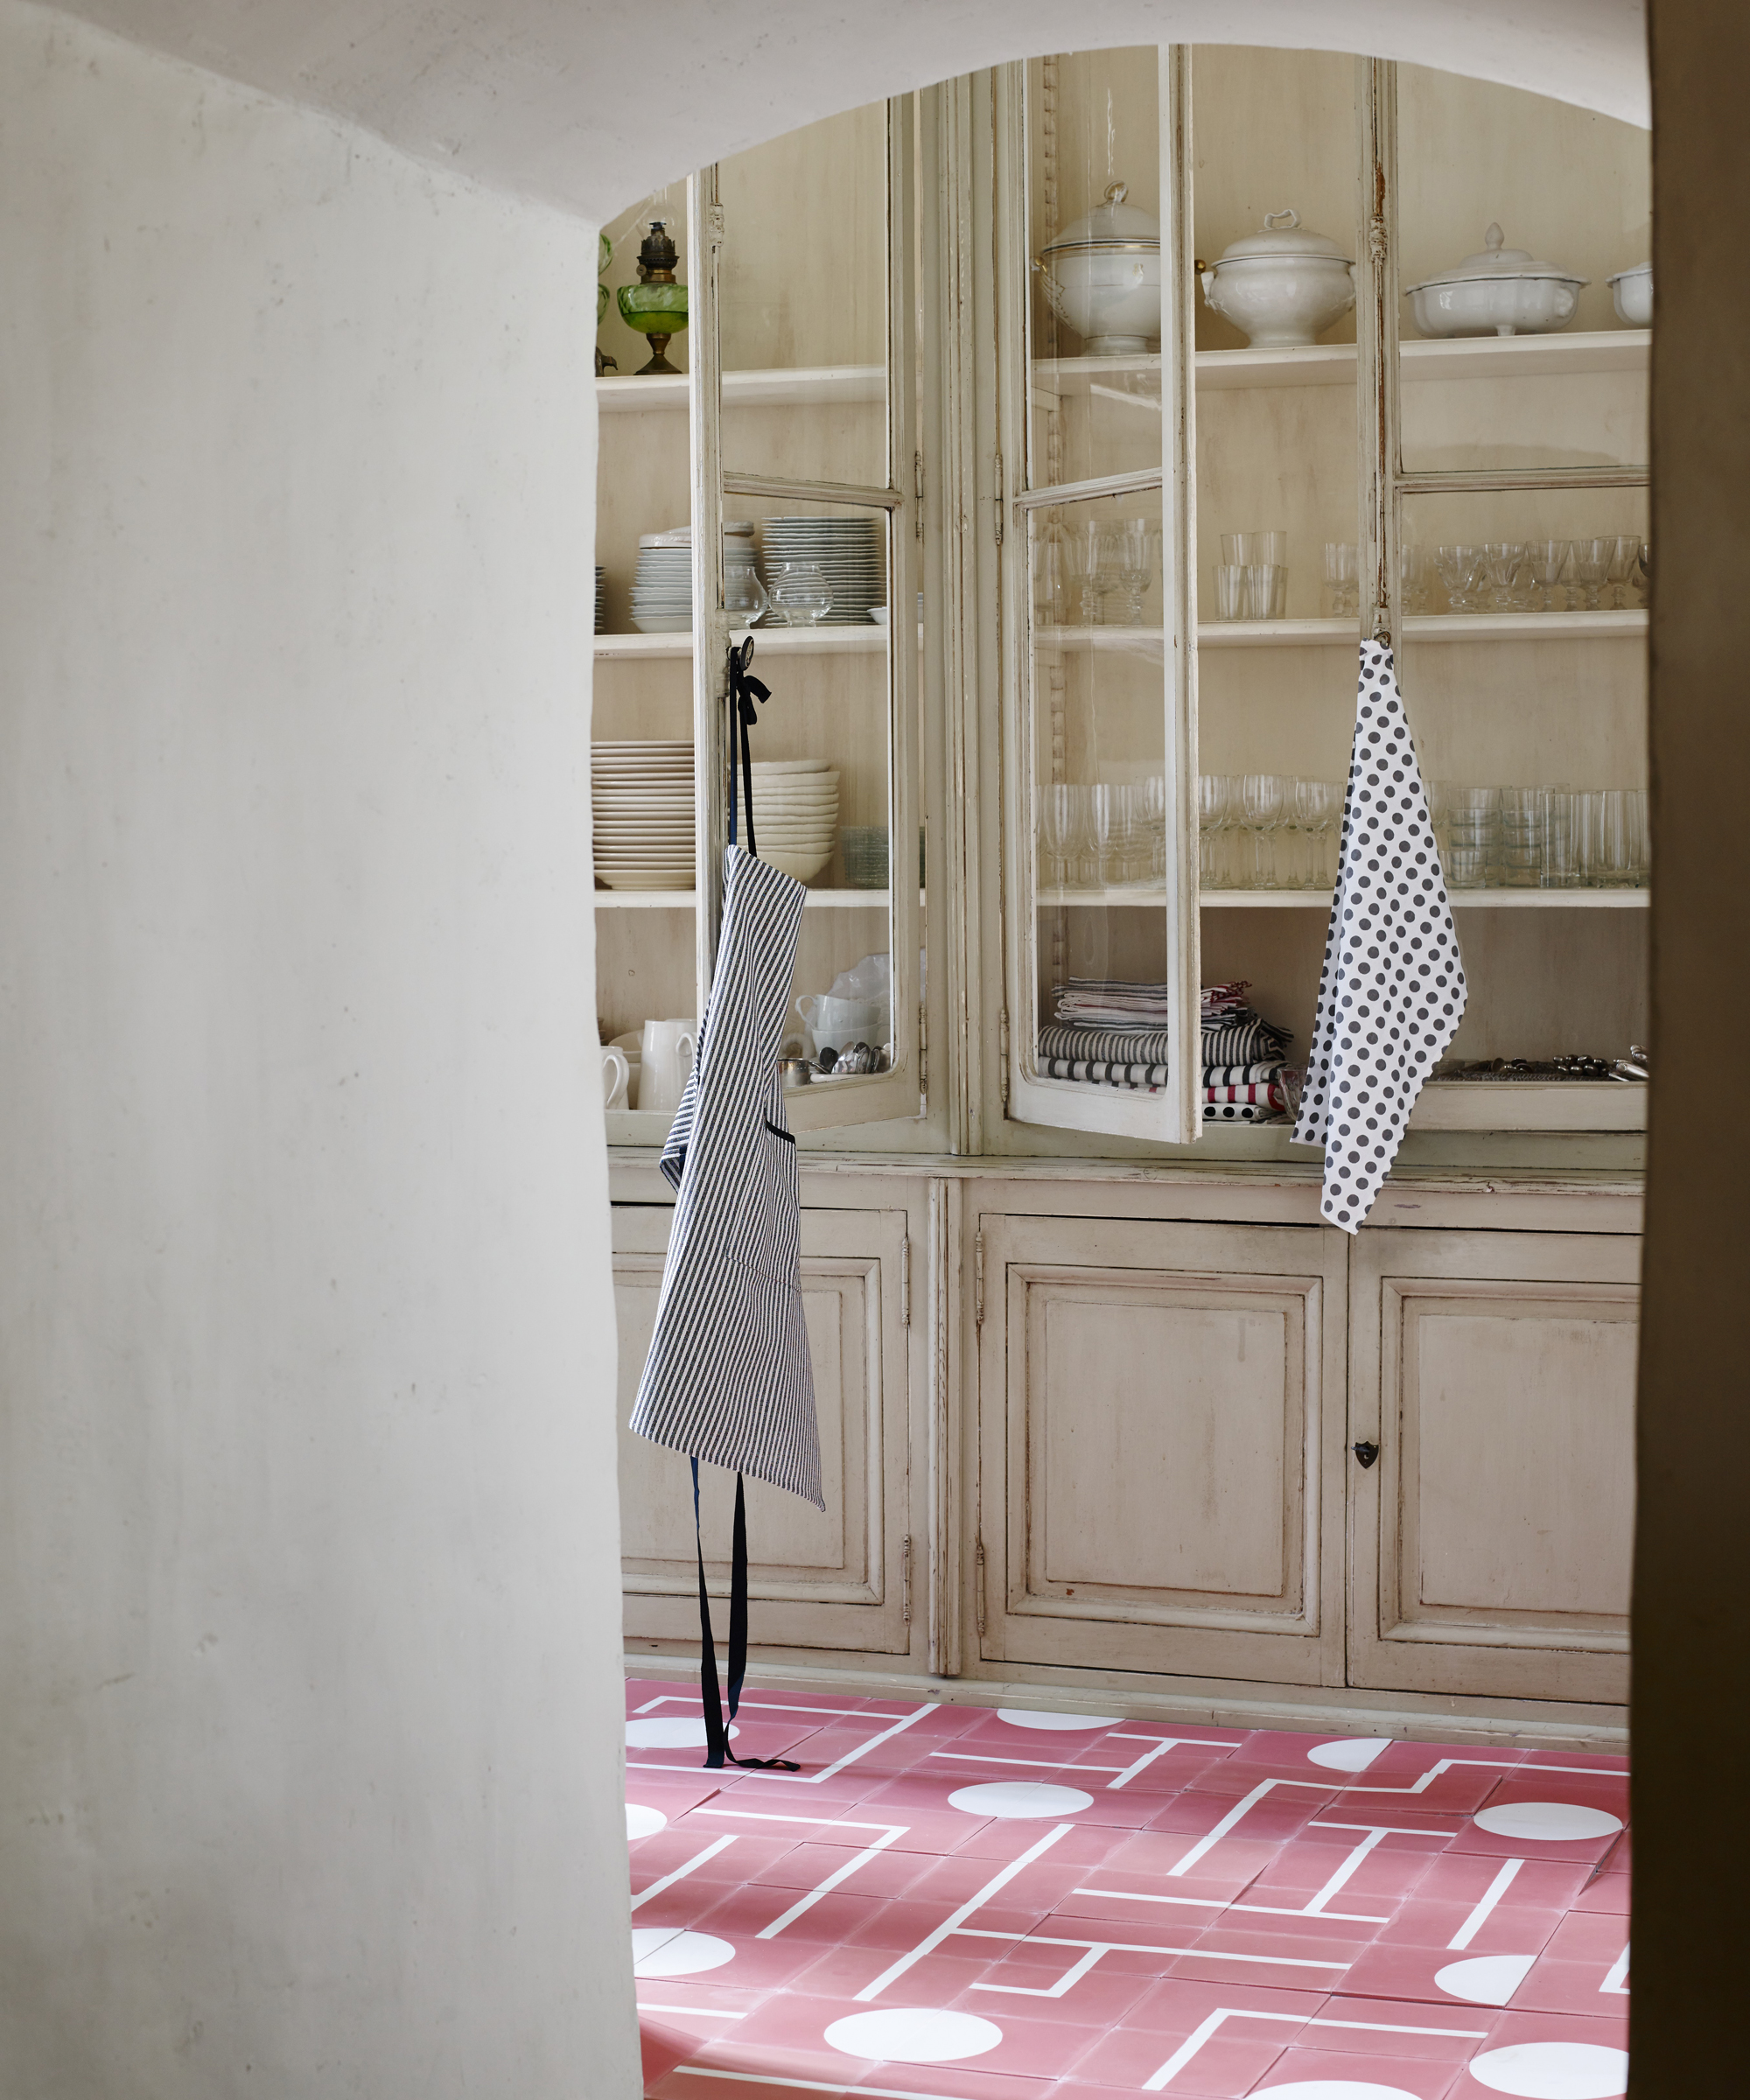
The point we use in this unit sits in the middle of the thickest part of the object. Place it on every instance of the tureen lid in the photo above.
(1283, 234)
(1494, 261)
(1114, 224)
(1640, 270)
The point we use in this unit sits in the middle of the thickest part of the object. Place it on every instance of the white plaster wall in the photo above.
(594, 104)
(308, 1771)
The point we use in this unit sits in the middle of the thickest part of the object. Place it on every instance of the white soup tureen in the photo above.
(1102, 277)
(1631, 292)
(1501, 291)
(1283, 287)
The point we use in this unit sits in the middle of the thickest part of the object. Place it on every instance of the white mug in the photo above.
(616, 1077)
(667, 1063)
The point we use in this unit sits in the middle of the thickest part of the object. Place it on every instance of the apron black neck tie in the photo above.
(744, 693)
(718, 1752)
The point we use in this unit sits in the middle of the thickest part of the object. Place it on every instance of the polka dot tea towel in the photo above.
(1392, 992)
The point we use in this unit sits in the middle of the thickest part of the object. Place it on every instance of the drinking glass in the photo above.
(1519, 854)
(1263, 799)
(1591, 570)
(1266, 589)
(1110, 822)
(800, 593)
(1082, 569)
(1246, 548)
(1467, 832)
(1643, 578)
(1563, 813)
(1318, 811)
(1109, 562)
(1060, 834)
(1502, 559)
(1217, 813)
(1230, 591)
(1154, 822)
(1458, 568)
(1547, 558)
(1624, 558)
(1413, 576)
(1343, 584)
(1051, 578)
(1617, 838)
(1135, 545)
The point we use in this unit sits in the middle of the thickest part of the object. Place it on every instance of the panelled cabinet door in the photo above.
(1161, 1433)
(1494, 1371)
(837, 1579)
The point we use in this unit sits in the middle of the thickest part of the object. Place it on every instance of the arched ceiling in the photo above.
(590, 107)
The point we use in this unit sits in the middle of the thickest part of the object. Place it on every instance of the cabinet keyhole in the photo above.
(1366, 1452)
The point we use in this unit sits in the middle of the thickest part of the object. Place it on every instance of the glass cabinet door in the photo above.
(809, 477)
(1099, 620)
(767, 488)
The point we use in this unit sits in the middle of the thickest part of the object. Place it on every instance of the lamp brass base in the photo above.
(658, 362)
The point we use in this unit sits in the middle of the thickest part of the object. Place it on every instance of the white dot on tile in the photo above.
(1484, 1980)
(1547, 1822)
(643, 1823)
(1352, 1754)
(675, 1732)
(1338, 2089)
(659, 1950)
(1023, 1717)
(1014, 1800)
(1553, 2070)
(900, 2034)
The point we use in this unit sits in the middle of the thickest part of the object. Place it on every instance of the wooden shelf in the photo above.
(1579, 1104)
(865, 641)
(684, 900)
(779, 388)
(1312, 634)
(1334, 364)
(1140, 898)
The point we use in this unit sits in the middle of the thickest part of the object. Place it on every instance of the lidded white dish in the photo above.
(1102, 275)
(1631, 292)
(1499, 292)
(1281, 287)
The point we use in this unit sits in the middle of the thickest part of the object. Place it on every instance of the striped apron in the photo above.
(728, 1378)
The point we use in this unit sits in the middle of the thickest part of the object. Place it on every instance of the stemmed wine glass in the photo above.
(1263, 801)
(1502, 559)
(1457, 567)
(1547, 558)
(1061, 833)
(1217, 811)
(1592, 569)
(1624, 557)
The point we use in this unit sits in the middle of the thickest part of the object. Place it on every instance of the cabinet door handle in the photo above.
(1366, 1452)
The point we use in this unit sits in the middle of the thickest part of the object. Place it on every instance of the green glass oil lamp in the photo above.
(656, 306)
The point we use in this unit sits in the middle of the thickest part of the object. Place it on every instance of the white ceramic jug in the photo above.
(616, 1077)
(666, 1064)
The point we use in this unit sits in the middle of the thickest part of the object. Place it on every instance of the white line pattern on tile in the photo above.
(1490, 1897)
(681, 1873)
(955, 1919)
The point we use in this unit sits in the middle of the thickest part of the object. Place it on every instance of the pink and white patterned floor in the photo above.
(962, 1903)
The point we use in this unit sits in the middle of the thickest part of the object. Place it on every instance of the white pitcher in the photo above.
(616, 1077)
(667, 1062)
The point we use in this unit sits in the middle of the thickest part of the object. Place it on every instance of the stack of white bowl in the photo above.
(796, 814)
(849, 551)
(662, 590)
(641, 801)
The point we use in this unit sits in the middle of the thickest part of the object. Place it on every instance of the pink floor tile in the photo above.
(1555, 1987)
(1219, 1970)
(1455, 1929)
(1584, 2052)
(1385, 2027)
(1420, 2077)
(1227, 2065)
(1605, 1892)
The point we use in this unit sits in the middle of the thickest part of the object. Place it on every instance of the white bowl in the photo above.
(878, 614)
(1498, 291)
(1631, 292)
(1283, 286)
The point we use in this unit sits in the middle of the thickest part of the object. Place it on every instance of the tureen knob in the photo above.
(1493, 238)
(1282, 221)
(1118, 192)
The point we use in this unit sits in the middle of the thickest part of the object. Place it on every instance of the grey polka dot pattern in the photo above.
(1392, 992)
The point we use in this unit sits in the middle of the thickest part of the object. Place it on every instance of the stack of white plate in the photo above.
(796, 814)
(849, 551)
(662, 590)
(641, 800)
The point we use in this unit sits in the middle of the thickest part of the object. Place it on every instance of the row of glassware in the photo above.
(1272, 831)
(1549, 838)
(1502, 576)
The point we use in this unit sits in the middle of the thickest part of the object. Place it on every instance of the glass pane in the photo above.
(1482, 171)
(803, 294)
(821, 756)
(1094, 241)
(1098, 715)
(628, 351)
(1274, 135)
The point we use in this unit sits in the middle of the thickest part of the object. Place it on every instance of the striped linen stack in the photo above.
(1111, 1033)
